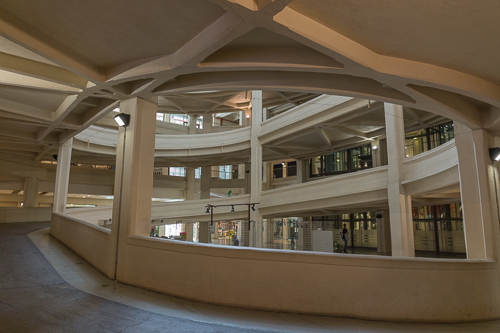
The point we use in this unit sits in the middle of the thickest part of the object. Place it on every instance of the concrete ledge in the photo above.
(25, 214)
(91, 242)
(355, 286)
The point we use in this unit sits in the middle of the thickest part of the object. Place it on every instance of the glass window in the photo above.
(181, 119)
(199, 122)
(278, 170)
(291, 169)
(361, 157)
(417, 142)
(177, 171)
(225, 172)
(456, 210)
(316, 168)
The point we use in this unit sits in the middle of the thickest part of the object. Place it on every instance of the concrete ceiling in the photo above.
(443, 33)
(65, 65)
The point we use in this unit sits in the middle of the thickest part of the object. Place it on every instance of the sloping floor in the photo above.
(45, 287)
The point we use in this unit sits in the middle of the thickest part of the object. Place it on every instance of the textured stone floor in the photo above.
(35, 298)
(45, 287)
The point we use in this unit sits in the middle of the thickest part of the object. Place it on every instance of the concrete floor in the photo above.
(45, 287)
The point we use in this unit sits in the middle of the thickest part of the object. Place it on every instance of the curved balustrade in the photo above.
(432, 170)
(196, 209)
(367, 186)
(202, 144)
(317, 111)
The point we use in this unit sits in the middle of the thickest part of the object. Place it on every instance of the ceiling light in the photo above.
(247, 116)
(122, 119)
(375, 147)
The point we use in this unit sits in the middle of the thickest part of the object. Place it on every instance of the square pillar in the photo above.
(268, 233)
(243, 234)
(301, 171)
(62, 176)
(401, 222)
(256, 168)
(133, 189)
(207, 123)
(477, 176)
(206, 176)
(383, 232)
(190, 191)
(188, 229)
(204, 232)
(192, 124)
(30, 192)
(376, 153)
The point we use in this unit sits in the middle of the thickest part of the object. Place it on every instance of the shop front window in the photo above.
(348, 160)
(420, 141)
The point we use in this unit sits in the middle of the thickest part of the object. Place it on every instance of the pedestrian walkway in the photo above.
(45, 287)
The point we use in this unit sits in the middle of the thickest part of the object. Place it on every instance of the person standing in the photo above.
(345, 237)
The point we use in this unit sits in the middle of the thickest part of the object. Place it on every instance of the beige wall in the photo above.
(24, 214)
(369, 287)
(90, 242)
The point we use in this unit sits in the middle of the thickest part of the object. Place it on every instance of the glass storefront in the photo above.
(362, 228)
(344, 161)
(420, 141)
(439, 228)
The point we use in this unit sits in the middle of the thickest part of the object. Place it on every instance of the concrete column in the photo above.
(62, 176)
(268, 232)
(30, 192)
(256, 168)
(265, 114)
(399, 204)
(206, 175)
(376, 153)
(241, 171)
(242, 118)
(188, 228)
(285, 229)
(204, 234)
(133, 176)
(190, 184)
(207, 123)
(216, 232)
(301, 171)
(243, 233)
(477, 187)
(305, 236)
(248, 177)
(192, 124)
(383, 232)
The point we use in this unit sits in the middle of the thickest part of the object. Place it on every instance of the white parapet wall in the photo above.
(25, 214)
(89, 241)
(357, 286)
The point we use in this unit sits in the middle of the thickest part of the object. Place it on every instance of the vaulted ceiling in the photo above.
(65, 65)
